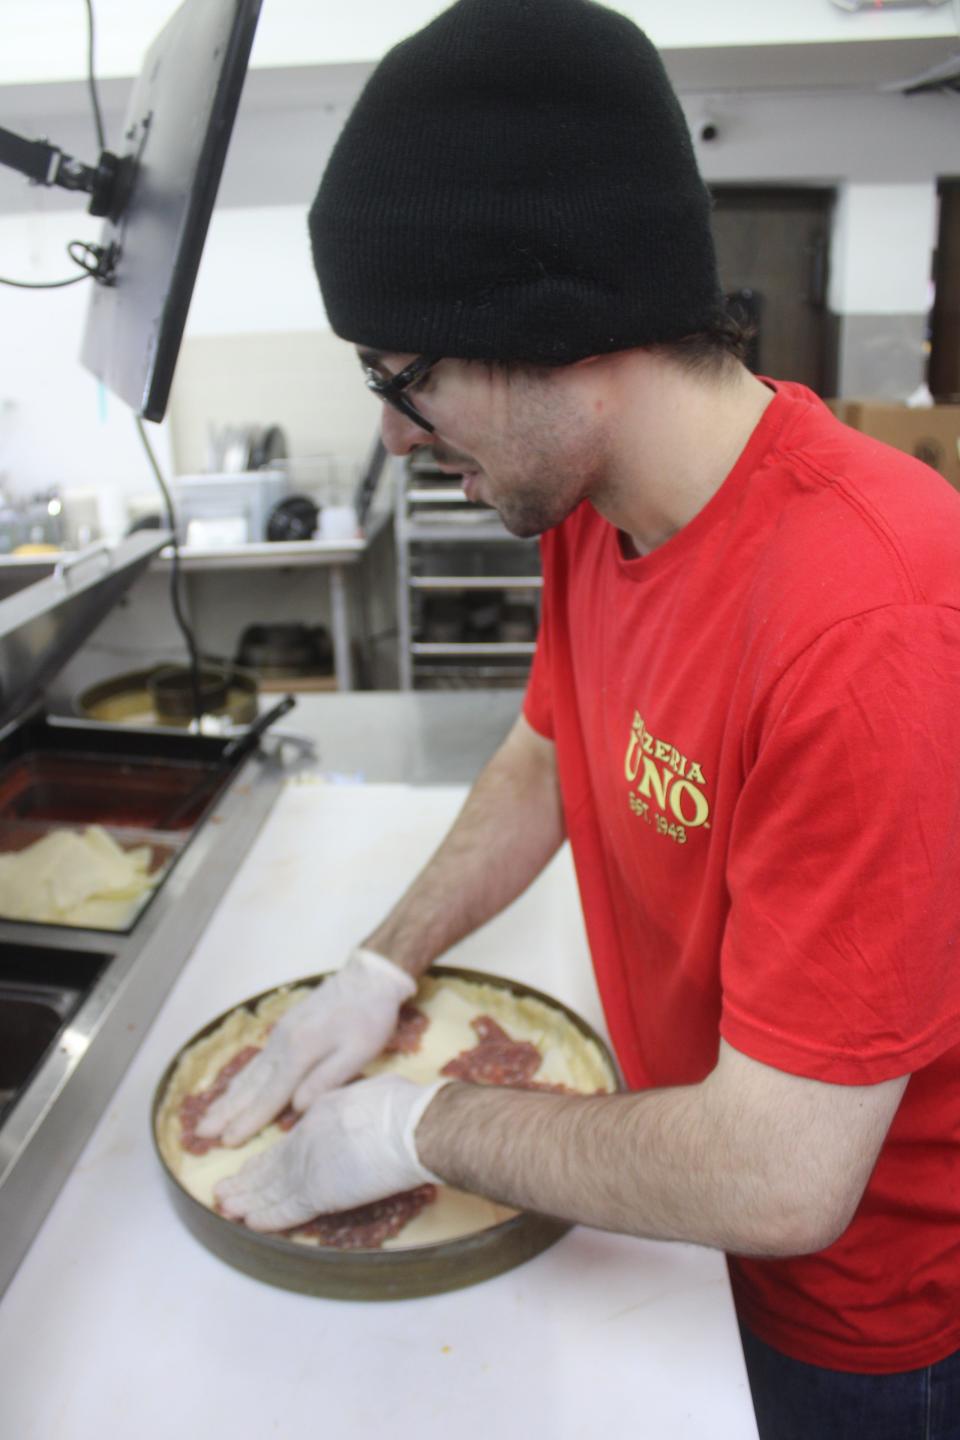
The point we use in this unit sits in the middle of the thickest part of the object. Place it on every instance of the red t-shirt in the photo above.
(757, 731)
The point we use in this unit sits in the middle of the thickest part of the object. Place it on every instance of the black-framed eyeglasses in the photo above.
(391, 387)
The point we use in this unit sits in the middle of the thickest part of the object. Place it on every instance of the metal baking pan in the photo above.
(395, 1274)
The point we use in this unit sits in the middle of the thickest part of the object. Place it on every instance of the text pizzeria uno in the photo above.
(663, 774)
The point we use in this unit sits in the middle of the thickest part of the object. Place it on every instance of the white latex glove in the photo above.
(352, 1146)
(321, 1043)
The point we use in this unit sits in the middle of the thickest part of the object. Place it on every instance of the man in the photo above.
(741, 714)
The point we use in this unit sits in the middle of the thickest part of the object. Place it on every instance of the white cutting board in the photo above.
(119, 1323)
(331, 862)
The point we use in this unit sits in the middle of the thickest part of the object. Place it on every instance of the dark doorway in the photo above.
(943, 373)
(773, 246)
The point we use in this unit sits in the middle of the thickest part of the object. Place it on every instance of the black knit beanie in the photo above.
(516, 182)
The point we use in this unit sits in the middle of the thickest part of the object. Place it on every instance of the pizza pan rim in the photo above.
(370, 1274)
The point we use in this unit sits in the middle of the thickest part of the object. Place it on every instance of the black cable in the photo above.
(91, 271)
(95, 270)
(91, 80)
(46, 284)
(93, 261)
(185, 630)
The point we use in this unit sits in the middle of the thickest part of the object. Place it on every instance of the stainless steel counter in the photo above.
(420, 738)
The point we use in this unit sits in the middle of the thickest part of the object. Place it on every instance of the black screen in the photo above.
(174, 144)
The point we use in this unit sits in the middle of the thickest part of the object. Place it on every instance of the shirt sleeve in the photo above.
(841, 958)
(538, 702)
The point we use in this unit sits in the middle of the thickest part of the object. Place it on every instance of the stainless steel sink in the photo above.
(31, 1018)
(40, 989)
(19, 571)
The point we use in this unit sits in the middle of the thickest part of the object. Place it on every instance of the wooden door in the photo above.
(943, 376)
(772, 250)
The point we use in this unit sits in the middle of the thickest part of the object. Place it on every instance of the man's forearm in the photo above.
(510, 826)
(748, 1161)
(633, 1164)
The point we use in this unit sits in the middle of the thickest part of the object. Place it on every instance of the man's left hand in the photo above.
(352, 1146)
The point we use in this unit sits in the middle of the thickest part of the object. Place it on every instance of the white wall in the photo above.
(50, 34)
(883, 241)
(804, 137)
(58, 425)
(256, 274)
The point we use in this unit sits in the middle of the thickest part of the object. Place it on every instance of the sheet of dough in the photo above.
(569, 1059)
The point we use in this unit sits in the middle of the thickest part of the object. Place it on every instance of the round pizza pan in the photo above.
(128, 700)
(395, 1274)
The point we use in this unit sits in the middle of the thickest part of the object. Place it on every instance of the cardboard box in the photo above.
(931, 433)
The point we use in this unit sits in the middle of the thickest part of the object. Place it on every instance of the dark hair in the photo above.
(725, 338)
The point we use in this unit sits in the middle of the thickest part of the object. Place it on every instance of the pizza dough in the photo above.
(72, 877)
(570, 1059)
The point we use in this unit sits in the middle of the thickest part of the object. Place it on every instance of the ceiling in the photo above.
(850, 65)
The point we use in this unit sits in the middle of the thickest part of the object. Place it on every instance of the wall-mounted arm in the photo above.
(46, 164)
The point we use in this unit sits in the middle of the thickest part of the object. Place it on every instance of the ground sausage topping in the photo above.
(406, 1039)
(368, 1226)
(496, 1059)
(194, 1107)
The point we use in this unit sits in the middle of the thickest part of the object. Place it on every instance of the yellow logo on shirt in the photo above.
(663, 777)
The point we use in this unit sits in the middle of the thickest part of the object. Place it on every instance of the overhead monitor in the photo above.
(171, 157)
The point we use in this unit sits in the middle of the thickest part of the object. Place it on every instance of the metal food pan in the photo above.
(165, 847)
(395, 1274)
(128, 700)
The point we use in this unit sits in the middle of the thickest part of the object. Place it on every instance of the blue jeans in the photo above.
(795, 1401)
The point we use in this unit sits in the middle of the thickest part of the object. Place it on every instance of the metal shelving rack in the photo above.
(449, 547)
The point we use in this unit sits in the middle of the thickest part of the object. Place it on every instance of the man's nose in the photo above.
(400, 434)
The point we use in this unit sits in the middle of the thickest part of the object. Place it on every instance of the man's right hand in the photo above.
(318, 1045)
